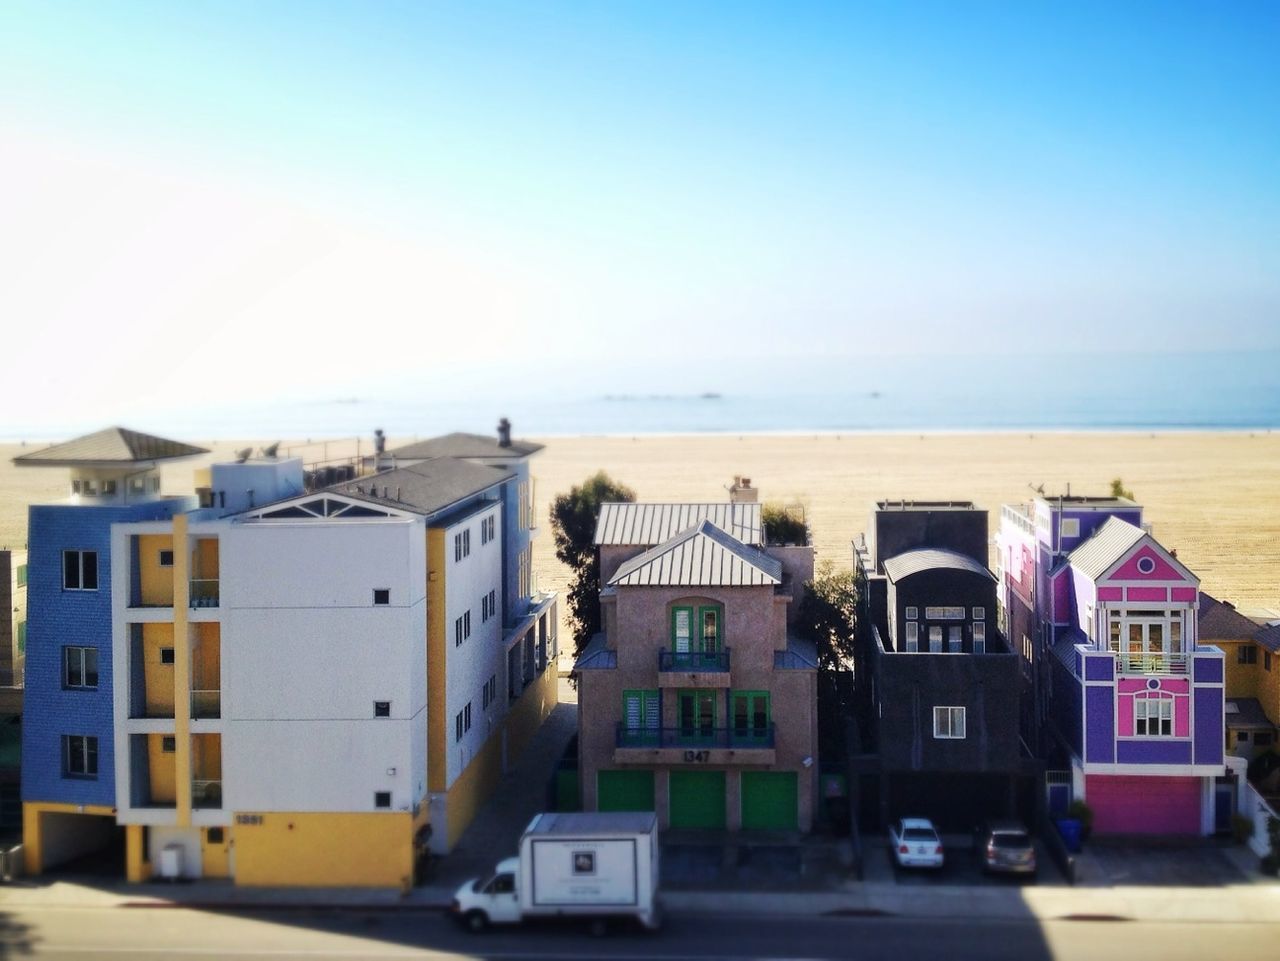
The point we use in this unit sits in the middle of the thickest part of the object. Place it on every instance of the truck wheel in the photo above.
(476, 921)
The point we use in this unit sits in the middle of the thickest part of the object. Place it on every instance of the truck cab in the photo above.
(490, 900)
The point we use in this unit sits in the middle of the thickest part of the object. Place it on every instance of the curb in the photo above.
(347, 907)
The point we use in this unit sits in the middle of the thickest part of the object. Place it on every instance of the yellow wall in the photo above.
(164, 787)
(1269, 686)
(205, 559)
(156, 581)
(206, 757)
(1241, 679)
(33, 841)
(158, 677)
(214, 861)
(206, 672)
(326, 850)
(137, 867)
(437, 746)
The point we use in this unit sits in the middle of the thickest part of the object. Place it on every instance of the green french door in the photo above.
(697, 716)
(751, 717)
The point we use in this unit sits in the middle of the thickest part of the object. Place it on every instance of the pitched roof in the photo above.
(625, 524)
(1219, 621)
(932, 558)
(114, 445)
(1269, 637)
(464, 445)
(702, 556)
(1246, 712)
(425, 488)
(1105, 547)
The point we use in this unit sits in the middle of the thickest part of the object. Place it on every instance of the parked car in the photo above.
(915, 843)
(1006, 847)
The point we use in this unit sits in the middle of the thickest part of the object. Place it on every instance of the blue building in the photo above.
(68, 784)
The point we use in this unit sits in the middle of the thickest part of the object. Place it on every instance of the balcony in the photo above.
(679, 745)
(693, 668)
(1151, 663)
(206, 704)
(204, 592)
(206, 794)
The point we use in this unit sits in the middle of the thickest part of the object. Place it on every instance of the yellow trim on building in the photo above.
(34, 844)
(182, 668)
(308, 849)
(136, 866)
(155, 582)
(437, 743)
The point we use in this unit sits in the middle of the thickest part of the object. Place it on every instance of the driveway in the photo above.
(1193, 863)
(959, 866)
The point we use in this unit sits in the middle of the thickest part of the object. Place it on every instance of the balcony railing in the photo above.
(1151, 663)
(204, 592)
(696, 737)
(206, 704)
(206, 794)
(694, 661)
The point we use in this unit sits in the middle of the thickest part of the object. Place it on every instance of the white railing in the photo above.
(1151, 663)
(1253, 806)
(1018, 518)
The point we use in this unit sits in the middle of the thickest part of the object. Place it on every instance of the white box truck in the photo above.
(598, 867)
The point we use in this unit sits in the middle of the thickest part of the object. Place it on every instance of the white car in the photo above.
(915, 843)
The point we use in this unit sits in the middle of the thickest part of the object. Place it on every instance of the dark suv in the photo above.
(1005, 846)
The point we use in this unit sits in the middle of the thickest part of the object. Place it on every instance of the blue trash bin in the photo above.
(1072, 830)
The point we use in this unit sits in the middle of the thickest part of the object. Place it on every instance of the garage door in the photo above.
(697, 799)
(624, 791)
(1143, 805)
(769, 800)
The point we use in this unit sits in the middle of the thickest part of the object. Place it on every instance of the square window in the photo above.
(214, 836)
(168, 745)
(166, 655)
(948, 723)
(381, 708)
(382, 799)
(1070, 527)
(79, 570)
(1246, 654)
(979, 613)
(381, 595)
(913, 613)
(108, 487)
(166, 558)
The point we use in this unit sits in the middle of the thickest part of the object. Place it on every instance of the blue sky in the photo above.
(296, 194)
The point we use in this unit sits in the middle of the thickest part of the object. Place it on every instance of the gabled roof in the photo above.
(933, 558)
(702, 556)
(464, 445)
(1219, 621)
(1242, 712)
(425, 488)
(643, 525)
(115, 445)
(1107, 545)
(1269, 637)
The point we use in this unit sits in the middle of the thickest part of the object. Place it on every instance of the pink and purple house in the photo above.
(1123, 693)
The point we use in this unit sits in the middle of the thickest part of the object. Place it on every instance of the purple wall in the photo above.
(1099, 667)
(1099, 725)
(1153, 752)
(1207, 670)
(1209, 724)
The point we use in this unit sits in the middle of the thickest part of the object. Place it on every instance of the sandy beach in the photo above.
(1214, 497)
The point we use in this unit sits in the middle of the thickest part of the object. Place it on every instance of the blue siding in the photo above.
(58, 618)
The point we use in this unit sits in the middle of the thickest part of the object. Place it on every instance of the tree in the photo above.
(828, 615)
(783, 526)
(1118, 489)
(573, 526)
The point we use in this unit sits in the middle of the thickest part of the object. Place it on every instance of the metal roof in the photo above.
(1220, 621)
(623, 524)
(114, 445)
(1246, 712)
(930, 559)
(595, 656)
(464, 445)
(1108, 543)
(703, 556)
(425, 488)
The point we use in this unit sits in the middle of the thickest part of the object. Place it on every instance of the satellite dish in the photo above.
(271, 450)
(242, 455)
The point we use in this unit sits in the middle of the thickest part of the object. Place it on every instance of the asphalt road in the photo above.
(78, 934)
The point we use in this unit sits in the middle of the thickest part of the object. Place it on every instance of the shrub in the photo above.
(783, 525)
(1084, 814)
(1241, 828)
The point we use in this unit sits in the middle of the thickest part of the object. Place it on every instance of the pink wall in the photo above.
(1147, 593)
(1111, 593)
(1184, 594)
(1164, 571)
(1124, 718)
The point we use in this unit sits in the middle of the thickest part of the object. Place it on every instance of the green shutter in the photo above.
(696, 800)
(22, 637)
(770, 801)
(22, 575)
(624, 791)
(682, 629)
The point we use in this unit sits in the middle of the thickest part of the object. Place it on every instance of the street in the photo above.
(77, 934)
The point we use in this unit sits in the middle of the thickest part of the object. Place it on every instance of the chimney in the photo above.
(742, 492)
(504, 433)
(379, 441)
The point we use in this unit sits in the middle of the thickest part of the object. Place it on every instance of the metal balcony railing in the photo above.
(206, 793)
(204, 592)
(1151, 663)
(206, 704)
(694, 661)
(694, 736)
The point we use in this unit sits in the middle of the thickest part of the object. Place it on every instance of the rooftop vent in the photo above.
(504, 433)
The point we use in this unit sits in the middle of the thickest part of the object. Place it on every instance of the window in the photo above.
(697, 714)
(913, 636)
(381, 596)
(381, 708)
(1246, 654)
(466, 718)
(641, 716)
(166, 558)
(979, 637)
(490, 693)
(168, 745)
(751, 716)
(709, 619)
(487, 528)
(22, 637)
(979, 613)
(166, 655)
(79, 756)
(488, 606)
(461, 629)
(948, 723)
(1242, 737)
(462, 545)
(382, 799)
(79, 570)
(214, 836)
(109, 487)
(913, 613)
(1152, 715)
(80, 668)
(137, 485)
(681, 629)
(935, 640)
(1069, 527)
(955, 639)
(457, 727)
(1262, 739)
(1146, 565)
(22, 575)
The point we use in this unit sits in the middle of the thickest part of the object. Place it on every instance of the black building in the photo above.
(937, 681)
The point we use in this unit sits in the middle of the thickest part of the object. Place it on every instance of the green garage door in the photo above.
(624, 791)
(769, 801)
(697, 799)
